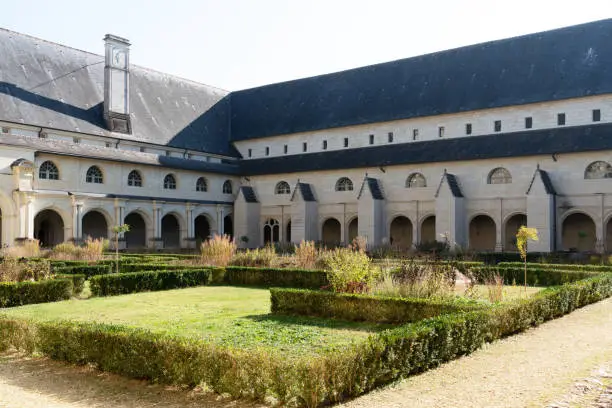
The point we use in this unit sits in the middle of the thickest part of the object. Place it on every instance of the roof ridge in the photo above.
(31, 37)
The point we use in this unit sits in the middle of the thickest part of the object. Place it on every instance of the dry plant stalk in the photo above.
(218, 251)
(27, 249)
(306, 254)
(495, 288)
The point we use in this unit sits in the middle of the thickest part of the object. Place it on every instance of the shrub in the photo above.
(122, 283)
(266, 277)
(24, 293)
(85, 270)
(358, 307)
(350, 271)
(26, 249)
(14, 270)
(419, 279)
(562, 267)
(535, 276)
(359, 243)
(495, 288)
(78, 282)
(139, 267)
(91, 250)
(306, 255)
(260, 257)
(218, 251)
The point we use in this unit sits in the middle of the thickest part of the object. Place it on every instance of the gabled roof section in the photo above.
(517, 144)
(374, 188)
(553, 65)
(453, 185)
(58, 87)
(546, 181)
(305, 190)
(248, 193)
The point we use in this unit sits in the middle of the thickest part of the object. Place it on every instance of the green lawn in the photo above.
(227, 315)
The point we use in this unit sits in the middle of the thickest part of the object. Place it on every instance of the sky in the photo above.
(238, 44)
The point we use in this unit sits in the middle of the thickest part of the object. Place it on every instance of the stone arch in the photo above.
(202, 227)
(94, 225)
(608, 243)
(228, 225)
(136, 237)
(511, 227)
(428, 229)
(482, 233)
(271, 231)
(49, 227)
(400, 232)
(288, 231)
(171, 230)
(331, 231)
(353, 229)
(499, 175)
(578, 232)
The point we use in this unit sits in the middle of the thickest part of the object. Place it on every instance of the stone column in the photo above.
(77, 222)
(220, 219)
(190, 239)
(29, 217)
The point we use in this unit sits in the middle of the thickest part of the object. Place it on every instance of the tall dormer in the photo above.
(117, 84)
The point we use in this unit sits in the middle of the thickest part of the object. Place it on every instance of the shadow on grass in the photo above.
(319, 322)
(41, 382)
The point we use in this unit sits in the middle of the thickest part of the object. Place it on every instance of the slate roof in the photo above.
(559, 64)
(525, 143)
(62, 148)
(305, 190)
(453, 184)
(54, 86)
(248, 194)
(548, 185)
(373, 187)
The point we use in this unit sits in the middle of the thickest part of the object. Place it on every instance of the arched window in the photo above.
(227, 187)
(271, 231)
(282, 187)
(499, 176)
(598, 170)
(48, 171)
(416, 180)
(134, 179)
(169, 182)
(202, 185)
(94, 175)
(344, 184)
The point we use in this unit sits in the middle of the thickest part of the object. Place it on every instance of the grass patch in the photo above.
(224, 315)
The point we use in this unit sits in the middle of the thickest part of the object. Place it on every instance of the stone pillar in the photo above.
(190, 239)
(158, 243)
(29, 217)
(220, 219)
(77, 222)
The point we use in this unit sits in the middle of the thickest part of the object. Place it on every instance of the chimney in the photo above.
(117, 84)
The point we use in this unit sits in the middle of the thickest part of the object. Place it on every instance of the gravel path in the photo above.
(532, 369)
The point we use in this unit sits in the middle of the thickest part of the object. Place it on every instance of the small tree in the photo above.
(523, 235)
(119, 229)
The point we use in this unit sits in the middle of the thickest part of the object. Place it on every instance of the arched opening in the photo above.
(512, 226)
(271, 231)
(353, 229)
(228, 226)
(48, 228)
(331, 232)
(170, 231)
(288, 232)
(428, 229)
(94, 225)
(578, 233)
(201, 228)
(400, 232)
(136, 237)
(608, 247)
(482, 233)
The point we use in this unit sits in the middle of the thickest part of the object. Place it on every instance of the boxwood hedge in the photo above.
(24, 293)
(562, 267)
(267, 277)
(122, 283)
(535, 276)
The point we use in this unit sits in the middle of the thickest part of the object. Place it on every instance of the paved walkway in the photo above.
(531, 369)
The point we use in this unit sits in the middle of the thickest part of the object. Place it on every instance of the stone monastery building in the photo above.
(468, 143)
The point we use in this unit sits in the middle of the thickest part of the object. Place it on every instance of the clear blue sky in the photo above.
(235, 44)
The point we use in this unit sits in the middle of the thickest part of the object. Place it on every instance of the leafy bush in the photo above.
(25, 293)
(78, 282)
(20, 270)
(139, 267)
(350, 271)
(535, 276)
(85, 270)
(218, 251)
(358, 307)
(122, 283)
(293, 278)
(257, 258)
(433, 247)
(419, 279)
(306, 255)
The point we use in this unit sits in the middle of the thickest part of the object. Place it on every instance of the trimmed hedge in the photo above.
(123, 283)
(267, 277)
(86, 270)
(140, 267)
(25, 293)
(535, 276)
(328, 378)
(564, 267)
(78, 282)
(376, 309)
